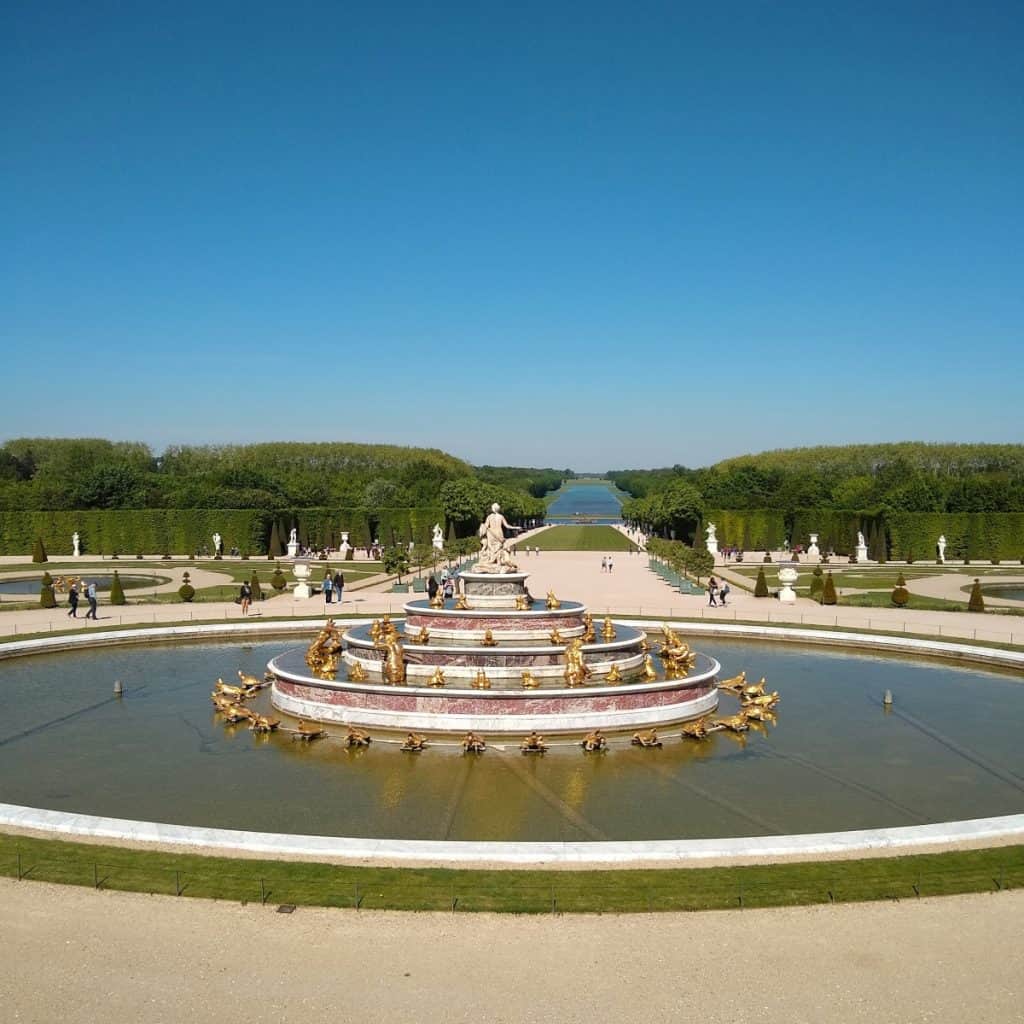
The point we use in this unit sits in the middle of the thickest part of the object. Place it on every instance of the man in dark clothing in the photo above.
(339, 587)
(73, 601)
(432, 587)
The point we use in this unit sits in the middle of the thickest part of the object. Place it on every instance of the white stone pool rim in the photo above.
(70, 825)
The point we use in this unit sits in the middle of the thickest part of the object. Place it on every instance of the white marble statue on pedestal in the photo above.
(438, 538)
(494, 554)
(812, 548)
(76, 543)
(942, 549)
(712, 539)
(217, 543)
(862, 548)
(293, 543)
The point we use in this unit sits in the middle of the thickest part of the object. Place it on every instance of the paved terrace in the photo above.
(630, 589)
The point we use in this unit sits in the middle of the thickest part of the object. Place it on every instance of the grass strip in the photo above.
(510, 891)
(580, 538)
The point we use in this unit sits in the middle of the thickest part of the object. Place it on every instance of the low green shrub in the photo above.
(186, 591)
(817, 583)
(277, 581)
(254, 586)
(900, 596)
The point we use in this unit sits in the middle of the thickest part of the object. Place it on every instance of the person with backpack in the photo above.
(723, 593)
(245, 597)
(712, 592)
(90, 596)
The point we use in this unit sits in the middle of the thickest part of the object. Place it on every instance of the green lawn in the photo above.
(512, 891)
(581, 538)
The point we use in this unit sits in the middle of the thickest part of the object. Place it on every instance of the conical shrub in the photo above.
(761, 586)
(38, 551)
(116, 590)
(901, 580)
(977, 601)
(254, 586)
(817, 583)
(47, 598)
(275, 549)
(828, 594)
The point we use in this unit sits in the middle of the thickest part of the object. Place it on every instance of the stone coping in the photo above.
(659, 851)
(678, 851)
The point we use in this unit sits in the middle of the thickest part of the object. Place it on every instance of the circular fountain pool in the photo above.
(949, 749)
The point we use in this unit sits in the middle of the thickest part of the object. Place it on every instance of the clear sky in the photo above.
(590, 235)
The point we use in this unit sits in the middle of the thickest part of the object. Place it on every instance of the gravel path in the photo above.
(75, 955)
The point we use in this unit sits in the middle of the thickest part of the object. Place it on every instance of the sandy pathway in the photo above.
(75, 955)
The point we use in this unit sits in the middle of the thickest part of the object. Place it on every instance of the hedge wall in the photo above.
(913, 535)
(748, 529)
(183, 531)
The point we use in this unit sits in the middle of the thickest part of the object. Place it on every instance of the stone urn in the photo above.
(300, 570)
(787, 577)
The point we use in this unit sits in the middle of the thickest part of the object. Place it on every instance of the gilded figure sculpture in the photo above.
(533, 744)
(394, 662)
(414, 743)
(324, 653)
(576, 671)
(594, 741)
(356, 673)
(357, 738)
(530, 681)
(649, 673)
(437, 678)
(437, 601)
(473, 744)
(552, 602)
(461, 605)
(589, 636)
(481, 682)
(422, 637)
(555, 637)
(646, 738)
(608, 629)
(614, 675)
(696, 730)
(488, 640)
(522, 603)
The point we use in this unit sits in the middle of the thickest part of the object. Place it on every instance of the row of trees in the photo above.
(682, 558)
(904, 477)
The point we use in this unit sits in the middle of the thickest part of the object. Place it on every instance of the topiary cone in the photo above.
(116, 590)
(38, 551)
(977, 601)
(828, 595)
(761, 586)
(47, 599)
(254, 586)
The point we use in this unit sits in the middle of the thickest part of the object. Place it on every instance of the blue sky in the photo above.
(588, 235)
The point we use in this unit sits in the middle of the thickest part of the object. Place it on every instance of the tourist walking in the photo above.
(723, 593)
(610, 563)
(73, 601)
(604, 564)
(328, 587)
(90, 596)
(712, 592)
(245, 597)
(432, 587)
(339, 587)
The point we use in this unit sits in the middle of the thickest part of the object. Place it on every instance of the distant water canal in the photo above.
(600, 502)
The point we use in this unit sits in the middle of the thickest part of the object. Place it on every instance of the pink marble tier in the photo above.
(588, 701)
(494, 620)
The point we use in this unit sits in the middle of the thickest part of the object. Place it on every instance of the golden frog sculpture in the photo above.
(414, 743)
(533, 744)
(646, 738)
(481, 682)
(614, 675)
(437, 601)
(473, 744)
(488, 640)
(461, 605)
(356, 673)
(594, 741)
(555, 637)
(522, 603)
(422, 637)
(357, 738)
(530, 681)
(437, 678)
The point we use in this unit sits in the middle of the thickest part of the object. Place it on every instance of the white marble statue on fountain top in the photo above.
(76, 543)
(494, 553)
(438, 538)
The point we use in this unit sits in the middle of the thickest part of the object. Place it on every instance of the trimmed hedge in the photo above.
(184, 531)
(969, 535)
(749, 529)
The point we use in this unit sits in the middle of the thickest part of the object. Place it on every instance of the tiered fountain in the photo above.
(497, 661)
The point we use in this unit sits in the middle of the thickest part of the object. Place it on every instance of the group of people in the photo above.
(607, 564)
(446, 585)
(333, 587)
(89, 592)
(717, 594)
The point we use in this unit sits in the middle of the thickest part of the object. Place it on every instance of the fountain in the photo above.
(495, 660)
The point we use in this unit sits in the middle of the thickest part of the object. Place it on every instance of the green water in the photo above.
(950, 749)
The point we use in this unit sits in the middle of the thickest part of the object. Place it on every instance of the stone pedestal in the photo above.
(862, 553)
(787, 577)
(293, 549)
(493, 589)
